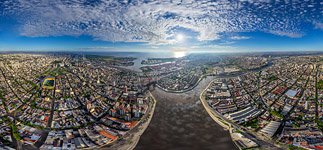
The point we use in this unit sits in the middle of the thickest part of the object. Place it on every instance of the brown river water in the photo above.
(180, 122)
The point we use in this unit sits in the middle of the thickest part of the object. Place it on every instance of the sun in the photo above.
(180, 37)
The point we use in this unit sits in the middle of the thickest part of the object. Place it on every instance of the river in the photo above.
(181, 122)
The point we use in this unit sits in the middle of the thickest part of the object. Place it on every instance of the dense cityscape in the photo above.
(282, 102)
(68, 101)
(161, 75)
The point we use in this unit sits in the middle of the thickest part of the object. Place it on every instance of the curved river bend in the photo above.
(180, 122)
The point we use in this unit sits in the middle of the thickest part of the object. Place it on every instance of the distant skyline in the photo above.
(153, 26)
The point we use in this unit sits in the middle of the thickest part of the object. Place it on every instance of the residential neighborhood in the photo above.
(64, 102)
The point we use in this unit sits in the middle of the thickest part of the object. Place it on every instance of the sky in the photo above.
(163, 25)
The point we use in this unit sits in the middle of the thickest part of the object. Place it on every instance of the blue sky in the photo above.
(140, 25)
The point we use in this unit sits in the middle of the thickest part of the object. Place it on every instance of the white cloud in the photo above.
(240, 37)
(288, 34)
(152, 21)
(214, 48)
(318, 25)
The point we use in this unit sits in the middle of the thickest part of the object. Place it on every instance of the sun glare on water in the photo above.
(179, 54)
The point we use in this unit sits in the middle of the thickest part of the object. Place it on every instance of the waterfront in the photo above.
(181, 122)
(138, 55)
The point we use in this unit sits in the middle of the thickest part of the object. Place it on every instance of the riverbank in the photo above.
(217, 118)
(234, 128)
(217, 75)
(185, 90)
(180, 122)
(131, 139)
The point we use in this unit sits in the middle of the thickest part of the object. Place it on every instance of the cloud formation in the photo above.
(240, 37)
(156, 21)
(318, 25)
